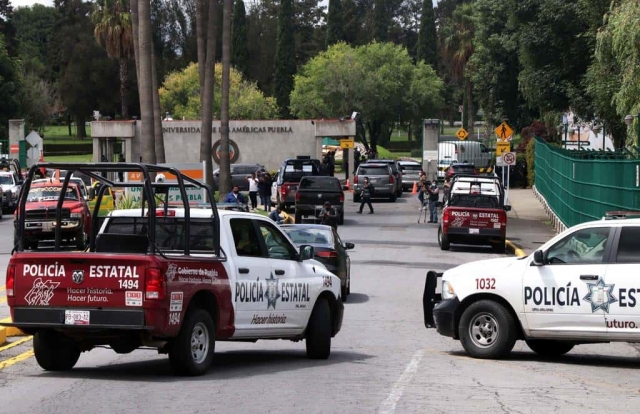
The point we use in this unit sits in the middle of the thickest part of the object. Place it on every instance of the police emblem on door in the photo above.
(77, 276)
(319, 195)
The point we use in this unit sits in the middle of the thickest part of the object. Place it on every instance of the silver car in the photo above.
(380, 176)
(410, 173)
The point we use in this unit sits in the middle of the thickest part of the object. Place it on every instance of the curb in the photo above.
(8, 331)
(514, 249)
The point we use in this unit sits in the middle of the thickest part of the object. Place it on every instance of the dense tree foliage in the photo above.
(285, 57)
(427, 50)
(239, 52)
(335, 27)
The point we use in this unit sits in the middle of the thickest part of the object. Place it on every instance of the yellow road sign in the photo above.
(504, 132)
(347, 143)
(462, 134)
(502, 147)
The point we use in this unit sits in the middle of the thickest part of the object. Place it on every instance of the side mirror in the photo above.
(538, 258)
(349, 246)
(507, 208)
(306, 252)
(92, 193)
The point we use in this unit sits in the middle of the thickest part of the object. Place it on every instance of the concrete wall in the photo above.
(264, 142)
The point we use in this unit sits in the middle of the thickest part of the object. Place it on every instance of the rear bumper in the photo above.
(28, 319)
(310, 209)
(462, 235)
(379, 191)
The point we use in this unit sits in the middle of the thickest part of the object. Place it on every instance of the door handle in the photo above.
(589, 277)
(243, 270)
(279, 272)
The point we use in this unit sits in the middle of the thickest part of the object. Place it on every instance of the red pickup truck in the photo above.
(175, 279)
(474, 213)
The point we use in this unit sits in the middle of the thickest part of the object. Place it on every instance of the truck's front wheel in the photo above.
(191, 352)
(319, 331)
(54, 352)
(487, 330)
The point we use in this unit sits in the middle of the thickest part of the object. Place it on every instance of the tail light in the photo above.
(170, 213)
(341, 197)
(330, 254)
(11, 279)
(446, 216)
(297, 196)
(391, 179)
(284, 189)
(155, 288)
(355, 179)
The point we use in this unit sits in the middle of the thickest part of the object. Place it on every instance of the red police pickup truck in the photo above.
(474, 213)
(175, 279)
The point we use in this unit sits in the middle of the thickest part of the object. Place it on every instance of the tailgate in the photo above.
(476, 220)
(83, 280)
(318, 198)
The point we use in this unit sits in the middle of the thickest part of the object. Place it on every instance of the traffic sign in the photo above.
(502, 147)
(462, 134)
(509, 158)
(347, 143)
(504, 132)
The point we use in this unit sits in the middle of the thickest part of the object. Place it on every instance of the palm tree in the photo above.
(224, 100)
(457, 34)
(145, 81)
(114, 32)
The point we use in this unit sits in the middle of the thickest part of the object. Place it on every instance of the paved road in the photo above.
(382, 361)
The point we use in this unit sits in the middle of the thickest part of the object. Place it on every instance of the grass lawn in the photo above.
(69, 158)
(60, 133)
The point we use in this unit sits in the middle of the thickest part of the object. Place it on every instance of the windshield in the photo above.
(294, 172)
(50, 194)
(6, 179)
(476, 201)
(320, 184)
(309, 236)
(373, 171)
(411, 168)
(464, 169)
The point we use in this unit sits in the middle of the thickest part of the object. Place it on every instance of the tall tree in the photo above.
(381, 21)
(145, 82)
(285, 58)
(225, 185)
(335, 29)
(9, 88)
(34, 32)
(239, 52)
(7, 29)
(428, 37)
(207, 28)
(114, 32)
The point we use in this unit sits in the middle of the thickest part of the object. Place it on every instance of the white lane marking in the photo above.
(388, 406)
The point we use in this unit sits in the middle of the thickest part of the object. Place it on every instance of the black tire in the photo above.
(499, 247)
(197, 324)
(356, 198)
(487, 330)
(298, 217)
(393, 198)
(318, 339)
(549, 348)
(344, 292)
(54, 352)
(341, 218)
(443, 240)
(80, 241)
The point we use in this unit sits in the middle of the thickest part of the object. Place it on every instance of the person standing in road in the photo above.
(253, 190)
(264, 189)
(434, 195)
(367, 192)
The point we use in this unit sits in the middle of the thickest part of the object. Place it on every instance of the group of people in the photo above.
(259, 185)
(429, 194)
(328, 164)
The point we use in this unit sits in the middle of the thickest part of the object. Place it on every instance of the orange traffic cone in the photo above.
(415, 188)
(348, 185)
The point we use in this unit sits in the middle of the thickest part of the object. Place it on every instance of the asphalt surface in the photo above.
(383, 360)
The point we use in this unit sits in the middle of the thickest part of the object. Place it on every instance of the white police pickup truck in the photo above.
(580, 287)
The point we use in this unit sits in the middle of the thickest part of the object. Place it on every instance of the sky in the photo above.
(17, 3)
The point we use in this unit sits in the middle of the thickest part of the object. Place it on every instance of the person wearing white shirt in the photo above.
(253, 191)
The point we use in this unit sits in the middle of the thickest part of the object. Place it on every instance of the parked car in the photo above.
(313, 192)
(239, 174)
(380, 176)
(410, 171)
(328, 249)
(460, 169)
(10, 186)
(289, 175)
(467, 152)
(395, 170)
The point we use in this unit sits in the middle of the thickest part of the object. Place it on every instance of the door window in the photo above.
(278, 247)
(629, 245)
(580, 247)
(245, 238)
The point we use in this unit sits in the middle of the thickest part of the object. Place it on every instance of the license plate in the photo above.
(73, 317)
(474, 231)
(47, 226)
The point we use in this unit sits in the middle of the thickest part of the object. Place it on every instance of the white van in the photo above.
(472, 152)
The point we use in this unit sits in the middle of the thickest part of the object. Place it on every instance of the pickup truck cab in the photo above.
(289, 175)
(313, 192)
(175, 279)
(579, 287)
(10, 186)
(474, 213)
(40, 215)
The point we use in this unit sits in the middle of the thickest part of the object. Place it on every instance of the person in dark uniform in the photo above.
(367, 192)
(328, 215)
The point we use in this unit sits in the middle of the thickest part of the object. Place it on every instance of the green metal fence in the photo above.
(582, 186)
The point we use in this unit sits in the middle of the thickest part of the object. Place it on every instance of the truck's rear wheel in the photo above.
(191, 352)
(499, 247)
(549, 348)
(54, 352)
(443, 240)
(298, 217)
(319, 331)
(487, 330)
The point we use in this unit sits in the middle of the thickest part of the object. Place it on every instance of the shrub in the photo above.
(530, 156)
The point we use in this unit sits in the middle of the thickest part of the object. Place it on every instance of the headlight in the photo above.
(447, 290)
(76, 215)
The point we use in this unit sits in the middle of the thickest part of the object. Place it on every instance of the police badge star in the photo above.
(272, 292)
(600, 296)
